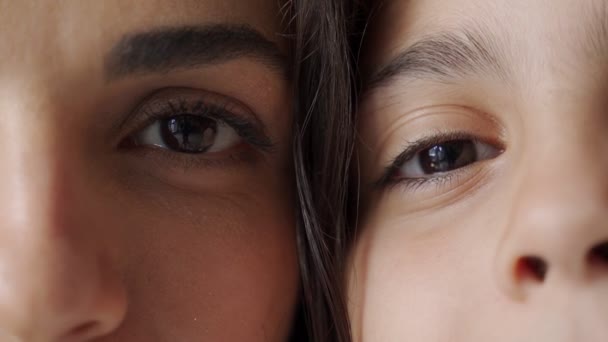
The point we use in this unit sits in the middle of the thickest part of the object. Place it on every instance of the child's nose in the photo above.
(554, 243)
(557, 230)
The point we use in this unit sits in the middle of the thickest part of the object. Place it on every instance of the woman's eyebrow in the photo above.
(441, 56)
(165, 49)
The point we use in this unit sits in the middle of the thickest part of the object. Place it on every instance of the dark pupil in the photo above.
(448, 156)
(188, 133)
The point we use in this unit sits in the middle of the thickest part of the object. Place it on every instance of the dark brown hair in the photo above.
(323, 146)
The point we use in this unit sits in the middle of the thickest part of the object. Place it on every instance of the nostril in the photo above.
(532, 268)
(84, 330)
(599, 254)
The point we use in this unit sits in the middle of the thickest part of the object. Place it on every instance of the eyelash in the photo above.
(415, 184)
(220, 112)
(388, 179)
(199, 103)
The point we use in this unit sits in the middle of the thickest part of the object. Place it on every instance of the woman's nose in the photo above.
(557, 235)
(57, 282)
(53, 289)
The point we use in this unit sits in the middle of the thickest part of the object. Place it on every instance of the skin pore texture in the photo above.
(109, 232)
(484, 196)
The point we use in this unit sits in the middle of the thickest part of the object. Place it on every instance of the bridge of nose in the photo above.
(55, 273)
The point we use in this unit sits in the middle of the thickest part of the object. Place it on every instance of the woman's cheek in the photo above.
(196, 264)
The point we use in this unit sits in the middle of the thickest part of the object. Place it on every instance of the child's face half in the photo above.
(484, 153)
(144, 172)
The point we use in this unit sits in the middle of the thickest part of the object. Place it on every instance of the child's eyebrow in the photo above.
(444, 55)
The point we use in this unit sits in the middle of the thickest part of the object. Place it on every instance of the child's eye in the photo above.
(444, 157)
(188, 133)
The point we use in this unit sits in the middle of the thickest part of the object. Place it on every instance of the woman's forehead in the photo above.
(123, 13)
(68, 21)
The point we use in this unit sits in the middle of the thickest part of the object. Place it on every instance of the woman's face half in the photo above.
(484, 190)
(145, 172)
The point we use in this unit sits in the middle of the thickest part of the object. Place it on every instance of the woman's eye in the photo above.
(445, 157)
(188, 134)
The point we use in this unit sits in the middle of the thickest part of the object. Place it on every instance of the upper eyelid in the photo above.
(166, 99)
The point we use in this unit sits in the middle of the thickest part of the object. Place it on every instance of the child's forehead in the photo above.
(520, 28)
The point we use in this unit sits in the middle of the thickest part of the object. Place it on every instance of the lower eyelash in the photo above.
(414, 184)
(437, 181)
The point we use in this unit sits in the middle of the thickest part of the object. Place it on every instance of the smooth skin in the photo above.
(109, 234)
(494, 225)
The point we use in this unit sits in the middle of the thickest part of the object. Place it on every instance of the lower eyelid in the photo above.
(164, 159)
(444, 192)
(436, 180)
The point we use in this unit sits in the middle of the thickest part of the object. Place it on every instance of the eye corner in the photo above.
(386, 180)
